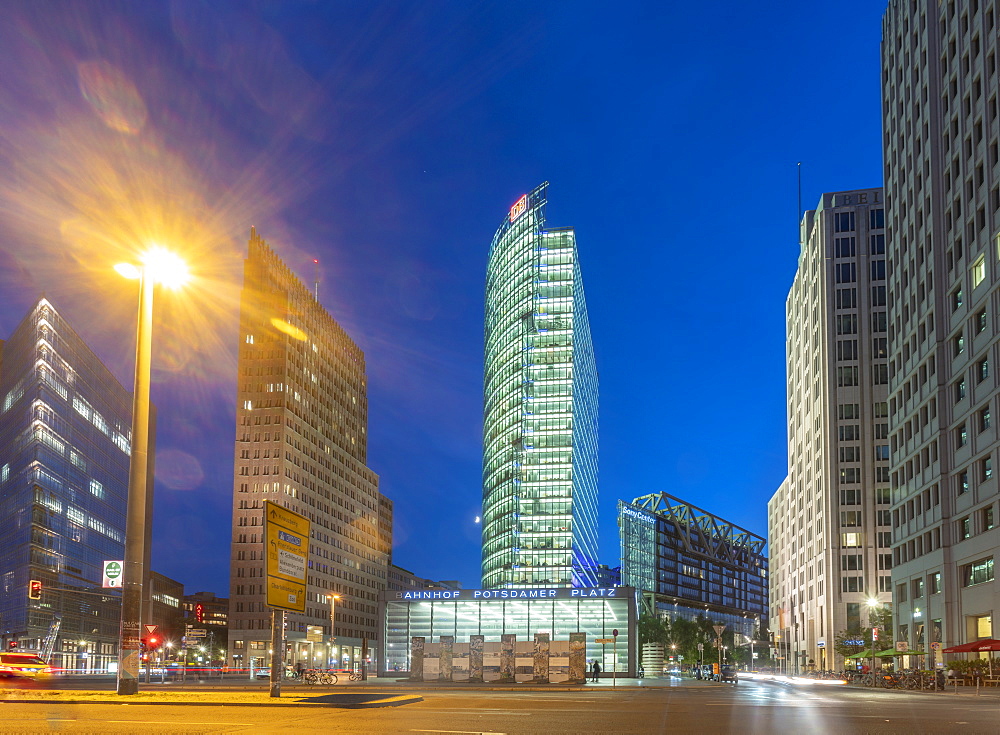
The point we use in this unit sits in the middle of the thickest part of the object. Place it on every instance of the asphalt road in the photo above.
(695, 707)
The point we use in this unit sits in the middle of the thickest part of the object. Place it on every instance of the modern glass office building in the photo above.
(540, 408)
(692, 563)
(65, 429)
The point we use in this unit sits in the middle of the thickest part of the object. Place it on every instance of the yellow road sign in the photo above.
(286, 541)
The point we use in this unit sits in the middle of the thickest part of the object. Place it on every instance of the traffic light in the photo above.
(199, 612)
(11, 645)
(153, 642)
(35, 589)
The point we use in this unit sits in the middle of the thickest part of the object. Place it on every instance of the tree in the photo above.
(859, 638)
(652, 629)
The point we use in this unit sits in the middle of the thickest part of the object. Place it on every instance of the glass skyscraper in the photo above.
(540, 408)
(65, 432)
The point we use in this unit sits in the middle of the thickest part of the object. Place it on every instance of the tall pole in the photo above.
(277, 649)
(333, 628)
(135, 522)
(874, 638)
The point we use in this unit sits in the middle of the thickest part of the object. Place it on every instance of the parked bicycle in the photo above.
(314, 676)
(355, 676)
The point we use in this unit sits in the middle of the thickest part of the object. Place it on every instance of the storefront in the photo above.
(461, 616)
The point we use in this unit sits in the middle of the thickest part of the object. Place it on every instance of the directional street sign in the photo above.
(604, 640)
(113, 573)
(196, 633)
(287, 547)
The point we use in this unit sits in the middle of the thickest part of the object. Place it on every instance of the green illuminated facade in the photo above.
(540, 409)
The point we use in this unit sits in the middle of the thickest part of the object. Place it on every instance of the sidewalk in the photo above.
(605, 682)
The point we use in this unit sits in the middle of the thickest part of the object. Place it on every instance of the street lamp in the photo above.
(872, 603)
(158, 266)
(333, 624)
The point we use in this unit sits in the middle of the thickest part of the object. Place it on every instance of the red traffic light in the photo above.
(153, 643)
(11, 645)
(35, 589)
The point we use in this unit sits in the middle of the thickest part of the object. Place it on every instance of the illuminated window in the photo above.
(979, 271)
(977, 572)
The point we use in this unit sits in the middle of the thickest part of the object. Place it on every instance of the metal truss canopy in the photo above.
(702, 532)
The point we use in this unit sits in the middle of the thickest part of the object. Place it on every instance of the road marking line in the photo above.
(463, 732)
(170, 722)
(506, 713)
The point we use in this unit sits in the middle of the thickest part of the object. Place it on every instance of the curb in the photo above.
(375, 704)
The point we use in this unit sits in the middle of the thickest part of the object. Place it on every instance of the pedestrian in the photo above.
(298, 669)
(595, 669)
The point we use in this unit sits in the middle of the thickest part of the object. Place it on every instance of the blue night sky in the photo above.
(388, 140)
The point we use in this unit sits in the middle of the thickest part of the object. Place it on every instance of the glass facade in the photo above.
(540, 409)
(694, 563)
(464, 613)
(65, 428)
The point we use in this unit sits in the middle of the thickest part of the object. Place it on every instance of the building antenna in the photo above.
(316, 279)
(798, 214)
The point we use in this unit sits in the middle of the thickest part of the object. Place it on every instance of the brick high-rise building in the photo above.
(301, 441)
(942, 189)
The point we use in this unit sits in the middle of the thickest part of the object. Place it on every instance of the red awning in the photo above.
(988, 644)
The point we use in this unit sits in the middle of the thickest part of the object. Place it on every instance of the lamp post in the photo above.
(333, 624)
(158, 266)
(873, 603)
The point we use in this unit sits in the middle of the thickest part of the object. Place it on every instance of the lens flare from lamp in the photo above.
(127, 270)
(166, 268)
